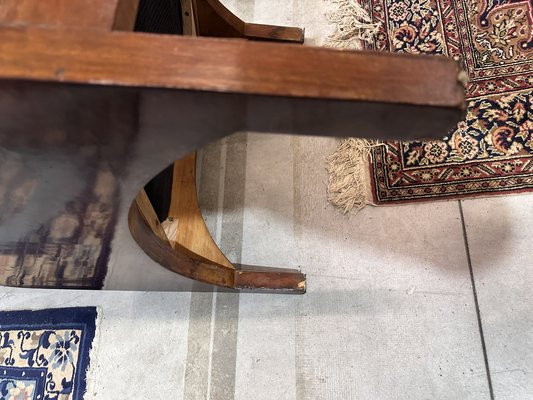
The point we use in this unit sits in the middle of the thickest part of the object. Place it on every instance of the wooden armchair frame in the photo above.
(74, 90)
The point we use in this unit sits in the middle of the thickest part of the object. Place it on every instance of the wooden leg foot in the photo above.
(183, 244)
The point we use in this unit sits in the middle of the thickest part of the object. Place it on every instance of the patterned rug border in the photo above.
(490, 153)
(82, 318)
(444, 198)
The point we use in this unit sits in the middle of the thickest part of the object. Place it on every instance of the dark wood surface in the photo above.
(273, 33)
(214, 19)
(125, 15)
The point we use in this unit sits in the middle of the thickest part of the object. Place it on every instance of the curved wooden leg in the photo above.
(214, 19)
(183, 244)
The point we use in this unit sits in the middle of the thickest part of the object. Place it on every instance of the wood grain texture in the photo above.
(270, 279)
(147, 211)
(212, 18)
(177, 261)
(187, 18)
(77, 14)
(192, 266)
(273, 33)
(135, 59)
(191, 243)
(192, 233)
(125, 15)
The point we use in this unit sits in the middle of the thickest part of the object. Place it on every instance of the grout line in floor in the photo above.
(476, 302)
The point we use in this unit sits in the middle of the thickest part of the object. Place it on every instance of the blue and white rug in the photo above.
(44, 355)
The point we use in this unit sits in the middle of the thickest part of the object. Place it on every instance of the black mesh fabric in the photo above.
(159, 191)
(159, 16)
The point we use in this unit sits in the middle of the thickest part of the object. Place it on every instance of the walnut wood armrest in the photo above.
(372, 79)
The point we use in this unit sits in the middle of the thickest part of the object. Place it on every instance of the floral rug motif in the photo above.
(492, 149)
(44, 355)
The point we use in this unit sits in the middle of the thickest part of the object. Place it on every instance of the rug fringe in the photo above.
(348, 170)
(353, 26)
(91, 371)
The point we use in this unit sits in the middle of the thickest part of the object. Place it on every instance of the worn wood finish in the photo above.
(188, 222)
(76, 14)
(147, 212)
(269, 279)
(177, 261)
(214, 19)
(136, 59)
(185, 263)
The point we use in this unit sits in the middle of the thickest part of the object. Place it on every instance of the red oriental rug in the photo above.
(491, 151)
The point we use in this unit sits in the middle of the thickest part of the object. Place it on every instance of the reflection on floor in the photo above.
(415, 301)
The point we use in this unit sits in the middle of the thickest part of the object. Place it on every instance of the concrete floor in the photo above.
(423, 301)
